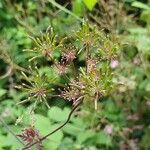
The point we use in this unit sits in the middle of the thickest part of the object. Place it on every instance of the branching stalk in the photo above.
(68, 119)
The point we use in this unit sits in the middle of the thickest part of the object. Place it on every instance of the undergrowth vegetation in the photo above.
(75, 75)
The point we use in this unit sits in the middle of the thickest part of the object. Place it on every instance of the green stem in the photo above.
(64, 9)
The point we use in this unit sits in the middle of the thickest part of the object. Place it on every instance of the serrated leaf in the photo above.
(42, 124)
(57, 114)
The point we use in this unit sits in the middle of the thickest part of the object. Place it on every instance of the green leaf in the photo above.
(72, 129)
(3, 140)
(141, 5)
(83, 136)
(57, 114)
(67, 144)
(111, 107)
(1, 148)
(143, 43)
(2, 92)
(50, 73)
(137, 30)
(54, 141)
(79, 122)
(145, 16)
(90, 3)
(145, 85)
(78, 7)
(13, 142)
(42, 124)
(147, 88)
(103, 139)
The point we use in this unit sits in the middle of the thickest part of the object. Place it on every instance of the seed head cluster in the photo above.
(30, 135)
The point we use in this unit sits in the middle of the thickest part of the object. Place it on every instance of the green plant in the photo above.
(145, 15)
(92, 81)
(108, 88)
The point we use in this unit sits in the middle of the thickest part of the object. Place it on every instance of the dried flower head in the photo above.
(30, 135)
(73, 92)
(61, 67)
(69, 54)
(91, 65)
(70, 93)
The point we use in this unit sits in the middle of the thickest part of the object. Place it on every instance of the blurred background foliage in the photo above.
(123, 120)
